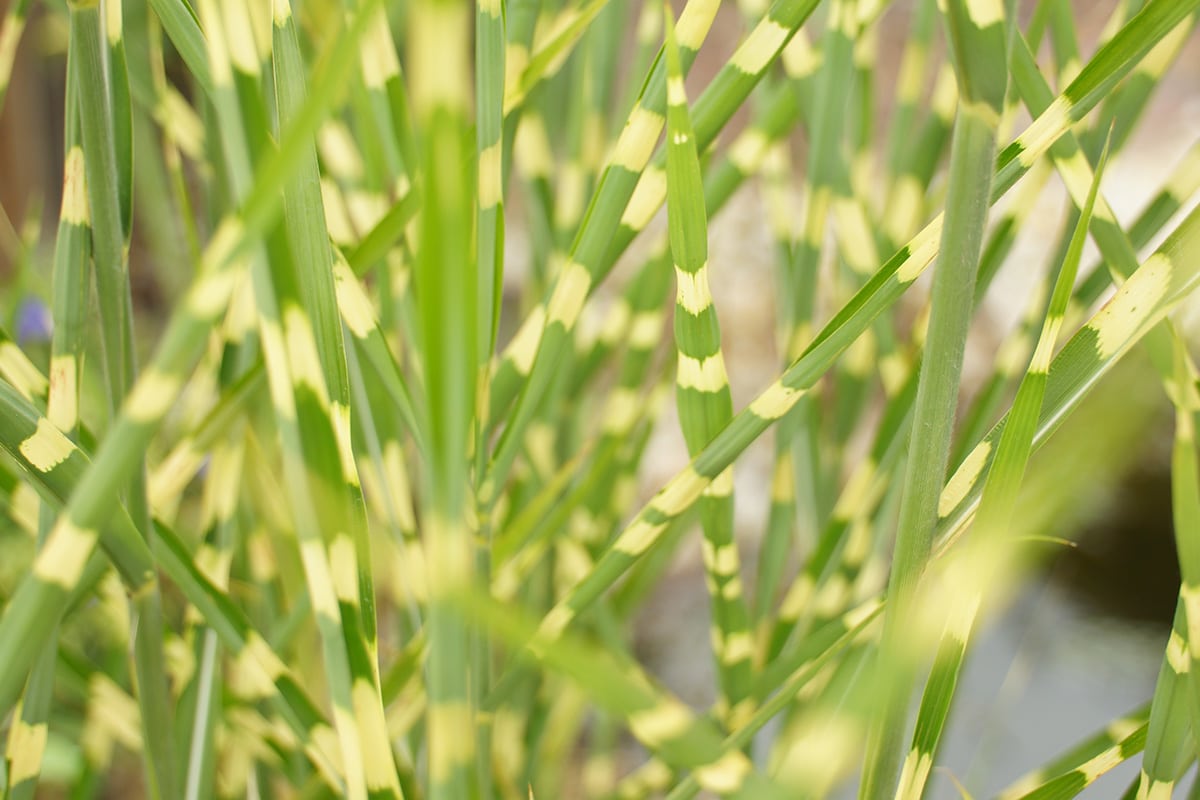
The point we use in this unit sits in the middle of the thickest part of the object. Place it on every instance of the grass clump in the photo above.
(361, 517)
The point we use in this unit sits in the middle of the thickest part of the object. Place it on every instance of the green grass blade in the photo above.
(1170, 743)
(122, 111)
(181, 25)
(309, 314)
(489, 277)
(27, 736)
(104, 107)
(103, 184)
(1185, 505)
(702, 387)
(447, 289)
(979, 40)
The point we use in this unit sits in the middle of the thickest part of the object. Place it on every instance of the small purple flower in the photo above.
(34, 323)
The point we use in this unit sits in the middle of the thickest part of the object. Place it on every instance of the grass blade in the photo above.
(702, 388)
(978, 35)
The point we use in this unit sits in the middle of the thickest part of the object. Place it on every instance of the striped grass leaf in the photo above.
(361, 151)
(1067, 158)
(1070, 784)
(701, 385)
(1115, 246)
(759, 143)
(1013, 354)
(312, 329)
(390, 107)
(25, 748)
(18, 369)
(630, 408)
(800, 444)
(779, 685)
(526, 534)
(201, 715)
(1006, 227)
(520, 21)
(1069, 773)
(744, 156)
(722, 178)
(583, 123)
(855, 190)
(375, 244)
(907, 208)
(832, 84)
(778, 535)
(1185, 506)
(1116, 58)
(384, 387)
(1168, 742)
(828, 710)
(603, 58)
(1066, 385)
(719, 187)
(1183, 182)
(1156, 20)
(182, 138)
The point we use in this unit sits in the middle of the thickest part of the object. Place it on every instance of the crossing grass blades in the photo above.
(357, 512)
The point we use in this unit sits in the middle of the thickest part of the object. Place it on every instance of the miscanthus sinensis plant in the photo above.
(356, 512)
